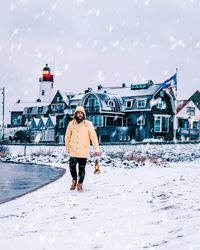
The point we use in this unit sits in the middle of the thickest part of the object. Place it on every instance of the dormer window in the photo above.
(161, 104)
(40, 109)
(29, 110)
(141, 103)
(129, 104)
(91, 104)
(111, 104)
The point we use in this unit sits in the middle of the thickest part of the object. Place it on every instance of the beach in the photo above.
(150, 207)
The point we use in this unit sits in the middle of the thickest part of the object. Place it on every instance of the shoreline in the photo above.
(36, 188)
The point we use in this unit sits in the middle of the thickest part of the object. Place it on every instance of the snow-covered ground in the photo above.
(130, 205)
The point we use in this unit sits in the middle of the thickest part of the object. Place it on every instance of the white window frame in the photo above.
(141, 100)
(131, 103)
(97, 120)
(161, 104)
(141, 121)
(160, 127)
(111, 103)
(189, 113)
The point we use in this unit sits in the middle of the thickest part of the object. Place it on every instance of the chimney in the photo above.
(99, 87)
(123, 85)
(88, 90)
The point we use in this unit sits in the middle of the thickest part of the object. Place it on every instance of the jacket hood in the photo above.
(80, 108)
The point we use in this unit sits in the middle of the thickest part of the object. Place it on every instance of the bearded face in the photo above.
(79, 116)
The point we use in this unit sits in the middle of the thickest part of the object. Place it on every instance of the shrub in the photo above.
(3, 151)
(42, 152)
(131, 156)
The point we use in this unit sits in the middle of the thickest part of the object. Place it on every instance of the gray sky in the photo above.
(88, 42)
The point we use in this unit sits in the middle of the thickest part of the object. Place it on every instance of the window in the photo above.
(183, 123)
(141, 103)
(97, 120)
(129, 103)
(190, 111)
(40, 109)
(58, 107)
(161, 124)
(91, 104)
(161, 104)
(111, 103)
(15, 122)
(58, 99)
(195, 125)
(141, 120)
(29, 110)
(43, 93)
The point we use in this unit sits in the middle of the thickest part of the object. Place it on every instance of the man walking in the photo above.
(77, 142)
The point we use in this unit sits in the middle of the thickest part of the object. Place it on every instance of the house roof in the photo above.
(67, 96)
(17, 107)
(181, 104)
(127, 92)
(196, 98)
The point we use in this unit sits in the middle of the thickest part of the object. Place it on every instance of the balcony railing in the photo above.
(191, 134)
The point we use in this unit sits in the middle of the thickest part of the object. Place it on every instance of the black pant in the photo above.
(81, 168)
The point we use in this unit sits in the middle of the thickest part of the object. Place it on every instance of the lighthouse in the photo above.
(46, 84)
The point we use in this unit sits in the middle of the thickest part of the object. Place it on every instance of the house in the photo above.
(188, 118)
(43, 129)
(136, 112)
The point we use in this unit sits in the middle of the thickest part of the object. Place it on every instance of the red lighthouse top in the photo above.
(46, 74)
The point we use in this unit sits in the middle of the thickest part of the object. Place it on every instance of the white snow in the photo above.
(127, 206)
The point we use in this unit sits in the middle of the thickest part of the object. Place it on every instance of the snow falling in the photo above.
(147, 196)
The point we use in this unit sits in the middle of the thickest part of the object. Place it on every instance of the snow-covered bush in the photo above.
(43, 152)
(3, 151)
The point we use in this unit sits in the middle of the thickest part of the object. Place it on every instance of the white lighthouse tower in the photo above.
(46, 85)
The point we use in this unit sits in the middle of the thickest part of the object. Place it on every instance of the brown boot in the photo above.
(80, 187)
(73, 186)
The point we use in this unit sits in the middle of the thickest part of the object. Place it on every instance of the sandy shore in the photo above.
(143, 208)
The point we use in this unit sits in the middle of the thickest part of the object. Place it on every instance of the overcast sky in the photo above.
(88, 42)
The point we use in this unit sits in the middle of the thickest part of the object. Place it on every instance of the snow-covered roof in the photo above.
(77, 97)
(143, 82)
(67, 96)
(17, 107)
(127, 92)
(11, 131)
(104, 99)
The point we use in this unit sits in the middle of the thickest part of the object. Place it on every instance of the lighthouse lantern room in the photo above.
(46, 84)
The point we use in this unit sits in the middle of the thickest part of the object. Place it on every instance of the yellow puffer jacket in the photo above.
(78, 136)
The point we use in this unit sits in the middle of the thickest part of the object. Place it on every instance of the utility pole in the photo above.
(3, 112)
